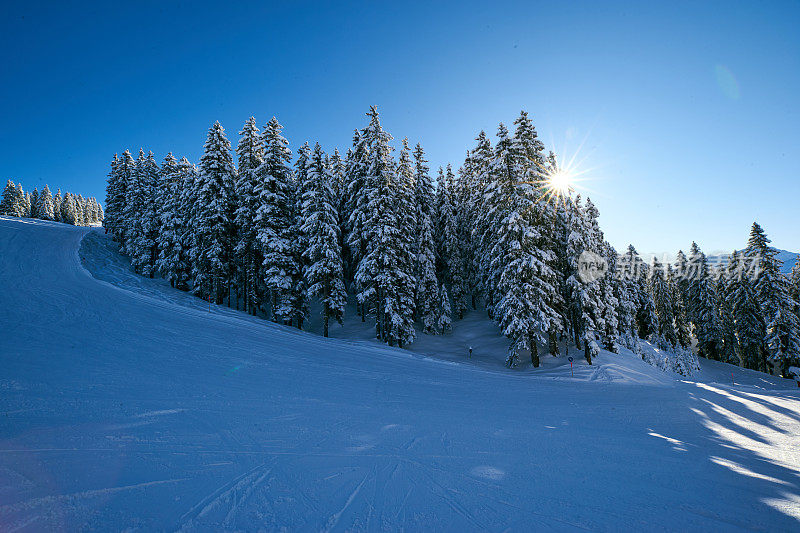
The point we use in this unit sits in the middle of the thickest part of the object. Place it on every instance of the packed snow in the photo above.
(130, 405)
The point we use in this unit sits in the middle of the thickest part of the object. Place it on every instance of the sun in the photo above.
(559, 182)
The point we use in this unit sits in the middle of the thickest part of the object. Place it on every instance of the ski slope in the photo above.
(126, 405)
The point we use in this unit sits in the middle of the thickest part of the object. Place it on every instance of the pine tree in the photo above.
(25, 201)
(319, 225)
(772, 291)
(466, 215)
(451, 251)
(445, 322)
(382, 273)
(34, 202)
(247, 251)
(57, 199)
(702, 305)
(427, 293)
(794, 290)
(190, 178)
(144, 241)
(497, 192)
(7, 206)
(80, 209)
(214, 219)
(134, 206)
(481, 240)
(68, 210)
(356, 208)
(274, 219)
(682, 327)
(402, 323)
(172, 260)
(297, 298)
(44, 205)
(725, 290)
(664, 305)
(630, 288)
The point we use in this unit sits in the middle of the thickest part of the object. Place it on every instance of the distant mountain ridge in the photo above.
(788, 259)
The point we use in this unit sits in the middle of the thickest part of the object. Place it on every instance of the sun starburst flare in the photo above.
(559, 180)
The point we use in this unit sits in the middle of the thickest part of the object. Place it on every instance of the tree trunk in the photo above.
(534, 352)
(325, 315)
(587, 352)
(379, 316)
(553, 342)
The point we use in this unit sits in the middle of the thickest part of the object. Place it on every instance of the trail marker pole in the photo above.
(571, 373)
(732, 380)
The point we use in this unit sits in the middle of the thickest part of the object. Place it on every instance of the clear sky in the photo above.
(687, 113)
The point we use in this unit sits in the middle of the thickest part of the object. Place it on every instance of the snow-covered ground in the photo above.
(127, 405)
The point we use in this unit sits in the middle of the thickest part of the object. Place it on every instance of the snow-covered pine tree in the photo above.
(127, 170)
(68, 211)
(147, 225)
(628, 297)
(480, 166)
(402, 323)
(25, 201)
(57, 199)
(772, 291)
(682, 327)
(34, 203)
(702, 308)
(725, 309)
(134, 206)
(466, 215)
(274, 219)
(381, 274)
(336, 169)
(445, 322)
(664, 305)
(250, 151)
(189, 176)
(427, 293)
(172, 261)
(529, 169)
(451, 258)
(213, 276)
(44, 205)
(356, 205)
(749, 324)
(525, 279)
(604, 302)
(80, 209)
(498, 189)
(320, 229)
(9, 198)
(296, 300)
(794, 291)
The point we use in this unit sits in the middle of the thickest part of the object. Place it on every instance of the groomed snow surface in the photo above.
(127, 405)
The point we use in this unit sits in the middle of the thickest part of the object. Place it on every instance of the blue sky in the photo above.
(687, 115)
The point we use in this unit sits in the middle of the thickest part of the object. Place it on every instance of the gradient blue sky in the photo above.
(687, 114)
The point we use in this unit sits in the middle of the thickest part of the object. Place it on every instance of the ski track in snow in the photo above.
(128, 405)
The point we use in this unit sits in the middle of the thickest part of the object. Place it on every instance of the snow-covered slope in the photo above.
(125, 404)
